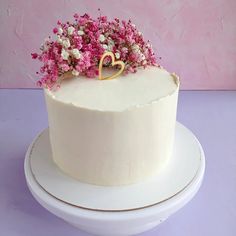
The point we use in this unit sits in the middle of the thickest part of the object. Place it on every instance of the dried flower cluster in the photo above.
(79, 46)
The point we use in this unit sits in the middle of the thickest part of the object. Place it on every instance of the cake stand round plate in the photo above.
(118, 210)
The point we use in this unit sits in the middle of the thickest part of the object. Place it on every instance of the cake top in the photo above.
(80, 45)
(135, 90)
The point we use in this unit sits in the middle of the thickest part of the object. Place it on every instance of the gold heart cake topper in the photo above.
(113, 63)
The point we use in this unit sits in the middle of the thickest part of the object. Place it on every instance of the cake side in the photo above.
(114, 147)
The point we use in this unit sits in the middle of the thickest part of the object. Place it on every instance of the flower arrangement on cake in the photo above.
(80, 45)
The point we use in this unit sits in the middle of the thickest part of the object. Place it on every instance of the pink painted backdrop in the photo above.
(196, 39)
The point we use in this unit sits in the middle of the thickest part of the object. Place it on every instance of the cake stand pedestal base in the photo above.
(119, 210)
(132, 231)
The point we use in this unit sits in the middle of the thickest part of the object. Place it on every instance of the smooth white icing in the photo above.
(113, 132)
(118, 94)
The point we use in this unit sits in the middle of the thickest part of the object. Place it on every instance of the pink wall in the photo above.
(196, 39)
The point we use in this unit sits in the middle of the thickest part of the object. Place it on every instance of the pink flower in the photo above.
(76, 15)
(65, 67)
(39, 83)
(34, 55)
(92, 72)
(55, 30)
(90, 38)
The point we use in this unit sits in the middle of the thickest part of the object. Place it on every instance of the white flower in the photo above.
(109, 47)
(64, 54)
(66, 43)
(60, 30)
(102, 38)
(75, 72)
(70, 30)
(117, 55)
(104, 46)
(45, 46)
(80, 32)
(140, 33)
(144, 62)
(142, 56)
(124, 50)
(59, 40)
(135, 48)
(111, 42)
(76, 53)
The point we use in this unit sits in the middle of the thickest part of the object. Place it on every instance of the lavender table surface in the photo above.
(210, 115)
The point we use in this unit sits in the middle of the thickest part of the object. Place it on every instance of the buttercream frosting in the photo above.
(113, 132)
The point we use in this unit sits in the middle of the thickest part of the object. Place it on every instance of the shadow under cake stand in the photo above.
(119, 210)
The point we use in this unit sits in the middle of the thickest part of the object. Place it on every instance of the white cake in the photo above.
(113, 132)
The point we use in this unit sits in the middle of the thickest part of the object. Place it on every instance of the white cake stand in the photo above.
(120, 210)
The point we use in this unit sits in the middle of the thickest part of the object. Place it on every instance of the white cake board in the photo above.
(176, 176)
(120, 221)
